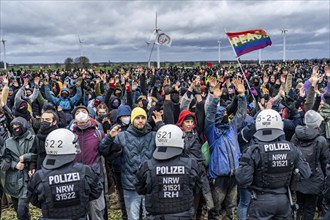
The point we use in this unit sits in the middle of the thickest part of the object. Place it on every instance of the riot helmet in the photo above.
(61, 146)
(269, 125)
(169, 142)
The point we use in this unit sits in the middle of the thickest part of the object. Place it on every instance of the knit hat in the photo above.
(137, 111)
(313, 119)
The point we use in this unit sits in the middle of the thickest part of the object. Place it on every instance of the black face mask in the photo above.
(144, 103)
(256, 83)
(266, 97)
(225, 120)
(100, 117)
(65, 95)
(17, 131)
(45, 125)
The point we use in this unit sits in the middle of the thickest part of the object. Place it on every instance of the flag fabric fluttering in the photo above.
(163, 39)
(247, 41)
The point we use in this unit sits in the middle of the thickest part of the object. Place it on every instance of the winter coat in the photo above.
(89, 141)
(137, 146)
(222, 138)
(314, 184)
(25, 145)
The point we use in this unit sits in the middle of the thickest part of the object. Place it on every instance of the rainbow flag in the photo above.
(247, 41)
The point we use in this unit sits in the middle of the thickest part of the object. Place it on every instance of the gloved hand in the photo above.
(4, 165)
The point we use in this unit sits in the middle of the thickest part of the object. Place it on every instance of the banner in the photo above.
(247, 41)
(163, 39)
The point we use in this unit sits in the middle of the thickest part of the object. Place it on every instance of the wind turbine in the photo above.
(4, 54)
(219, 45)
(284, 43)
(155, 31)
(81, 45)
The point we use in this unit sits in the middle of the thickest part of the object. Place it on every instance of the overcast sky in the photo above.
(47, 31)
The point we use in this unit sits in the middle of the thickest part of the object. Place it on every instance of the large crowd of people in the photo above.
(253, 139)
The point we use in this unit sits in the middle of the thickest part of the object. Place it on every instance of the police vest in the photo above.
(277, 160)
(171, 185)
(64, 192)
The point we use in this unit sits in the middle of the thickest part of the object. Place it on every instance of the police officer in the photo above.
(169, 179)
(63, 188)
(267, 167)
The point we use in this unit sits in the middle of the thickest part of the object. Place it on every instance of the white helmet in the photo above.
(169, 142)
(61, 146)
(269, 125)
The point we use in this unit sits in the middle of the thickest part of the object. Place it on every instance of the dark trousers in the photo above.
(117, 177)
(307, 205)
(270, 206)
(224, 193)
(21, 207)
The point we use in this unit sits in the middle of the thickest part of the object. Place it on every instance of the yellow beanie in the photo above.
(137, 112)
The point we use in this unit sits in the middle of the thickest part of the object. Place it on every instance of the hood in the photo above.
(66, 90)
(219, 115)
(100, 98)
(123, 110)
(306, 133)
(22, 122)
(112, 99)
(183, 115)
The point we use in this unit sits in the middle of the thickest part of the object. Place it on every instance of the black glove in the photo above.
(4, 165)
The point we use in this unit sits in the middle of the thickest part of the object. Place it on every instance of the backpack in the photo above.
(309, 151)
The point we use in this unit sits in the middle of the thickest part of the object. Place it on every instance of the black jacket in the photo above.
(314, 184)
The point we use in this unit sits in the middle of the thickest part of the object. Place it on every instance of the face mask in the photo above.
(81, 117)
(125, 120)
(225, 119)
(144, 103)
(101, 117)
(115, 104)
(266, 96)
(17, 131)
(64, 95)
(118, 94)
(45, 125)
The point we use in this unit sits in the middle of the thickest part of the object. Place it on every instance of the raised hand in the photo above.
(212, 81)
(217, 92)
(327, 71)
(239, 86)
(114, 131)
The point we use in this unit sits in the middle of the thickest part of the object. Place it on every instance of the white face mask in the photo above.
(81, 117)
(125, 120)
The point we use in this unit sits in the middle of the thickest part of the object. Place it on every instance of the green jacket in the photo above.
(16, 180)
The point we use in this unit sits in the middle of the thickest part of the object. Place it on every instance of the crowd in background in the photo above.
(99, 105)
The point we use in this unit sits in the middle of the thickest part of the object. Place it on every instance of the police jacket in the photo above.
(268, 166)
(64, 193)
(305, 137)
(16, 180)
(169, 185)
(222, 138)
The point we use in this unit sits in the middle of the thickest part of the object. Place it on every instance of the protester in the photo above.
(20, 153)
(137, 144)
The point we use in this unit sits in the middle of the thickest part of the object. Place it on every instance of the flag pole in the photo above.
(240, 66)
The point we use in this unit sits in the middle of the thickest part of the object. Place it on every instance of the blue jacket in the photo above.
(66, 104)
(222, 138)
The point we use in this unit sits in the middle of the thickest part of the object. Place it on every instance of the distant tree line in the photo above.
(82, 62)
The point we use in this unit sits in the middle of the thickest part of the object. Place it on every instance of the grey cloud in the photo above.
(47, 31)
